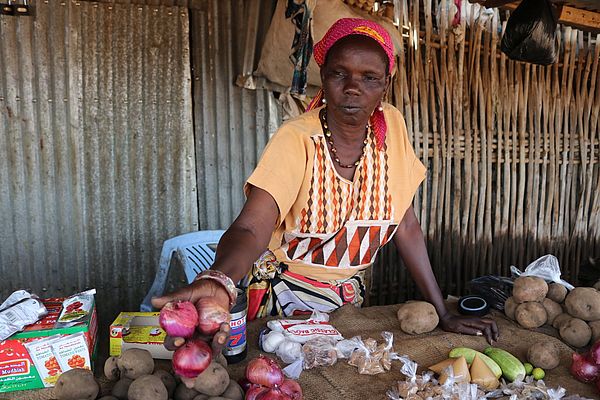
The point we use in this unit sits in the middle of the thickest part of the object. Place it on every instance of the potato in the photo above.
(596, 285)
(584, 303)
(560, 319)
(553, 309)
(544, 355)
(509, 308)
(202, 397)
(234, 391)
(76, 384)
(147, 387)
(111, 369)
(531, 314)
(595, 326)
(167, 379)
(529, 288)
(221, 359)
(417, 317)
(556, 292)
(182, 392)
(107, 398)
(134, 363)
(213, 381)
(121, 387)
(576, 332)
(217, 398)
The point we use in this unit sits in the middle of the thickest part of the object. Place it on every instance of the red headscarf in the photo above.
(356, 26)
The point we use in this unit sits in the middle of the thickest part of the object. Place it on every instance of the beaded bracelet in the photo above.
(221, 278)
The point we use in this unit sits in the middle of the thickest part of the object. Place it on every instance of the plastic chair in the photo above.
(196, 252)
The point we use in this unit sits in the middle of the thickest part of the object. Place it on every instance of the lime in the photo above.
(538, 373)
(528, 368)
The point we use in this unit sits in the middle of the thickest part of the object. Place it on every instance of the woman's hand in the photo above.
(193, 292)
(470, 326)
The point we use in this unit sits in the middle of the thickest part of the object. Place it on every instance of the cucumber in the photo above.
(469, 355)
(512, 368)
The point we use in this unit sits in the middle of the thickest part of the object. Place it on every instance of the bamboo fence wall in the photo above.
(511, 148)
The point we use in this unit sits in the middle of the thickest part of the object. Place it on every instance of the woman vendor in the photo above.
(332, 187)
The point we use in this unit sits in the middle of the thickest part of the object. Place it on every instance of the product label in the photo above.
(44, 359)
(237, 339)
(14, 367)
(72, 352)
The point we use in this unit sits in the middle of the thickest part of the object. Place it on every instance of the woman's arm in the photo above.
(410, 244)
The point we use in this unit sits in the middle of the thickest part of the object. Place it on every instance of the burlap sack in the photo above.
(275, 64)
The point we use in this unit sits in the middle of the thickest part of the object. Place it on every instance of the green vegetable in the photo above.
(528, 368)
(538, 373)
(469, 355)
(512, 368)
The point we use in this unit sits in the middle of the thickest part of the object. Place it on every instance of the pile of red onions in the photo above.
(265, 381)
(586, 367)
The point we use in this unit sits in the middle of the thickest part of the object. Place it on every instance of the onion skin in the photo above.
(292, 389)
(273, 394)
(264, 371)
(246, 385)
(191, 359)
(210, 316)
(254, 392)
(584, 369)
(594, 354)
(179, 319)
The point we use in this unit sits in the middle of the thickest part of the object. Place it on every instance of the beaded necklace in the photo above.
(329, 137)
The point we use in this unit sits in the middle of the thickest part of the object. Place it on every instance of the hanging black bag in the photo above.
(530, 33)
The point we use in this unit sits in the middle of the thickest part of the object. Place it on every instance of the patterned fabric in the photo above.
(302, 46)
(274, 290)
(356, 26)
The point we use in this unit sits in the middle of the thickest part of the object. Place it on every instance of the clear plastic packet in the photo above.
(76, 308)
(17, 316)
(372, 358)
(289, 351)
(347, 346)
(319, 352)
(545, 267)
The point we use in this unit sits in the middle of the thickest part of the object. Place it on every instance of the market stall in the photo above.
(343, 381)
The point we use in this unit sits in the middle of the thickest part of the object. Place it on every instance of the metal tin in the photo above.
(237, 348)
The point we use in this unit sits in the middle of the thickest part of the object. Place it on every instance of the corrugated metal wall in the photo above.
(97, 163)
(232, 124)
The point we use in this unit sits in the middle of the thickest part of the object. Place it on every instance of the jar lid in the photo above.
(473, 305)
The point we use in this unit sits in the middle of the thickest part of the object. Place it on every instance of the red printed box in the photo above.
(35, 357)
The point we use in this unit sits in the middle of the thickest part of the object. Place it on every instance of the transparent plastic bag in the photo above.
(545, 267)
(372, 358)
(319, 352)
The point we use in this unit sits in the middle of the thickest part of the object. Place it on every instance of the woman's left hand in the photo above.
(471, 326)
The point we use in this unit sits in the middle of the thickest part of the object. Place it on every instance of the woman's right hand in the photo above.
(193, 292)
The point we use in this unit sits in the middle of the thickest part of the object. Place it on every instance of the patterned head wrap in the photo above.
(363, 27)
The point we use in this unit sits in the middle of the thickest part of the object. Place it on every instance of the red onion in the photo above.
(210, 315)
(191, 359)
(246, 385)
(264, 371)
(292, 389)
(594, 354)
(273, 394)
(584, 369)
(255, 391)
(179, 319)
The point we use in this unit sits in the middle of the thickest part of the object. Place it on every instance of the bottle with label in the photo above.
(237, 348)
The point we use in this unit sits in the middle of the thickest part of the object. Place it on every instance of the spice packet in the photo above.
(72, 352)
(76, 308)
(302, 331)
(44, 359)
(16, 317)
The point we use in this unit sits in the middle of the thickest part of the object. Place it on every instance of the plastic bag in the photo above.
(530, 33)
(319, 352)
(303, 330)
(545, 267)
(494, 289)
(372, 358)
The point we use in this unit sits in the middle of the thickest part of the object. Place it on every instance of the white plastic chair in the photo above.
(196, 252)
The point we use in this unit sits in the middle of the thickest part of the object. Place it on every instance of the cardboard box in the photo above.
(139, 330)
(20, 370)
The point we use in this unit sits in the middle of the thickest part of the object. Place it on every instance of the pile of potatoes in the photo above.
(576, 314)
(137, 379)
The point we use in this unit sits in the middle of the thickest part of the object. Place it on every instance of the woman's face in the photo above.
(354, 79)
